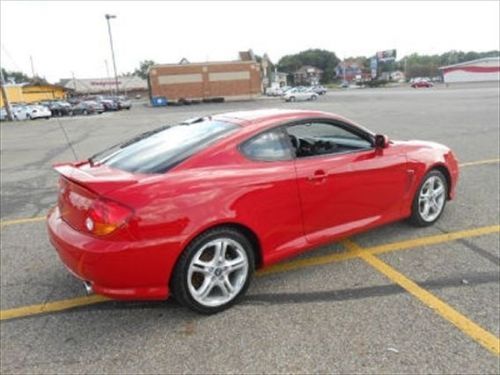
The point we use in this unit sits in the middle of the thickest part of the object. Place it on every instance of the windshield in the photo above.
(158, 150)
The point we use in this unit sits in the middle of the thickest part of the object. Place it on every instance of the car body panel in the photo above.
(331, 185)
(285, 210)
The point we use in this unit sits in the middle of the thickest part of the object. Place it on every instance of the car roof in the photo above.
(262, 116)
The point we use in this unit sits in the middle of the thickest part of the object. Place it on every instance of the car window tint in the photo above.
(268, 146)
(159, 150)
(317, 138)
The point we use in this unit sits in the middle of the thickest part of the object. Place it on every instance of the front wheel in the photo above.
(214, 271)
(430, 199)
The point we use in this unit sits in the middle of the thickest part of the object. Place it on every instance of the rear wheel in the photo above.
(292, 98)
(214, 271)
(430, 199)
(314, 97)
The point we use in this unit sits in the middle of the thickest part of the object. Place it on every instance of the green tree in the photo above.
(143, 69)
(17, 77)
(322, 59)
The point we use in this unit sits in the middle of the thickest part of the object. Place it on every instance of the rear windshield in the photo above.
(158, 150)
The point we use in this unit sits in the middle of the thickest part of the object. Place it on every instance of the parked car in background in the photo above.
(417, 83)
(99, 107)
(123, 102)
(31, 112)
(109, 104)
(87, 107)
(274, 91)
(59, 108)
(83, 108)
(3, 114)
(320, 90)
(300, 94)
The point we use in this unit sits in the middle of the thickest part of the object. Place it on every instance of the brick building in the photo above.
(231, 80)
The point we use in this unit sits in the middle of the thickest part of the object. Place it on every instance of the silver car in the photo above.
(300, 94)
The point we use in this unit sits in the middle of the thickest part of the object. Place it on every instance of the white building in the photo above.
(126, 84)
(480, 70)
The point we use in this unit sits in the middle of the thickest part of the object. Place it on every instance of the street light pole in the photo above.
(108, 17)
(343, 65)
(5, 97)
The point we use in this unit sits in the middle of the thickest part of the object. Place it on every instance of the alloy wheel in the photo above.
(431, 198)
(217, 272)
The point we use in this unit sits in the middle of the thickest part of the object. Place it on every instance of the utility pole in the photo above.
(343, 65)
(108, 17)
(406, 68)
(5, 98)
(74, 83)
(107, 76)
(32, 67)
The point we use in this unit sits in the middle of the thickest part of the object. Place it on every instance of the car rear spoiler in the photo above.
(100, 180)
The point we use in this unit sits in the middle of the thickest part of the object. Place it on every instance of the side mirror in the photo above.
(381, 141)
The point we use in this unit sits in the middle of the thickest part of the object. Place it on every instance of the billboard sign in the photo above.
(387, 55)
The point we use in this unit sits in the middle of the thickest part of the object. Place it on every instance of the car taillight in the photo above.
(105, 216)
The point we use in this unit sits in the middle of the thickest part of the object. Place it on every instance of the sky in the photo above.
(64, 37)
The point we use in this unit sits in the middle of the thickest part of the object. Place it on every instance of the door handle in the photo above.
(318, 176)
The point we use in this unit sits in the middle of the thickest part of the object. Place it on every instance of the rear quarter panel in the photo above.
(181, 204)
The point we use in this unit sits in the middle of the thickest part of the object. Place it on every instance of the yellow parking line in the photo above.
(4, 223)
(480, 162)
(50, 307)
(283, 267)
(395, 246)
(433, 240)
(308, 262)
(479, 334)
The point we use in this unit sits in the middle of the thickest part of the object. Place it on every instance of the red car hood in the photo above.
(421, 144)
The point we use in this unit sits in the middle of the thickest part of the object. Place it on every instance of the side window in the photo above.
(319, 138)
(268, 146)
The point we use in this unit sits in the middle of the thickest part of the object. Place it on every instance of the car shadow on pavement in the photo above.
(171, 306)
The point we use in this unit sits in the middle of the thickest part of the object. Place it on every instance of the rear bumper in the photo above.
(117, 269)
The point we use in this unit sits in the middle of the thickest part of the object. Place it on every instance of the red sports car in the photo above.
(192, 209)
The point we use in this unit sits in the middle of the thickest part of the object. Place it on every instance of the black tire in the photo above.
(292, 98)
(179, 281)
(416, 217)
(313, 98)
(85, 112)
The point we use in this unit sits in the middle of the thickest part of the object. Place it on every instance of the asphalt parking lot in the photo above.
(395, 299)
